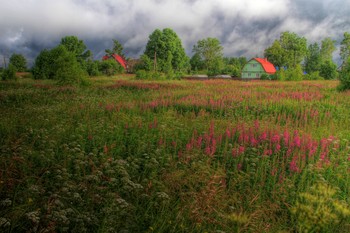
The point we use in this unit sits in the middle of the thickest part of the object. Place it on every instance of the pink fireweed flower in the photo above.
(263, 136)
(293, 165)
(297, 141)
(286, 137)
(241, 149)
(275, 138)
(253, 141)
(239, 166)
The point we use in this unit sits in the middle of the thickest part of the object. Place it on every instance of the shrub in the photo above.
(294, 74)
(328, 70)
(68, 71)
(344, 77)
(92, 68)
(9, 73)
(19, 62)
(110, 67)
(313, 76)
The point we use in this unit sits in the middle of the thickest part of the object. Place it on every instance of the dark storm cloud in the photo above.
(245, 28)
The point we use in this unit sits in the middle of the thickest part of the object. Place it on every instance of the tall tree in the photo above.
(164, 48)
(295, 47)
(276, 54)
(211, 51)
(77, 47)
(19, 62)
(313, 58)
(117, 49)
(345, 47)
(327, 49)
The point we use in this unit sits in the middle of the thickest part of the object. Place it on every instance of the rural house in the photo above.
(256, 67)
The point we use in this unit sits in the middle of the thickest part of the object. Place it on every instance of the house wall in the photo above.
(253, 70)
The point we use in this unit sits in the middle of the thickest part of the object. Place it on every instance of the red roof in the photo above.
(116, 57)
(268, 66)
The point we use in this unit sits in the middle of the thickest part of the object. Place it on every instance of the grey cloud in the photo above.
(245, 28)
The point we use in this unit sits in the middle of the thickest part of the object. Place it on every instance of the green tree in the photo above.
(313, 58)
(327, 49)
(276, 54)
(295, 47)
(164, 47)
(196, 63)
(117, 49)
(19, 62)
(110, 67)
(77, 47)
(59, 64)
(67, 69)
(44, 66)
(9, 73)
(328, 70)
(345, 47)
(344, 77)
(211, 52)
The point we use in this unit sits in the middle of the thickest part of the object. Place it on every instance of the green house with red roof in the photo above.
(256, 67)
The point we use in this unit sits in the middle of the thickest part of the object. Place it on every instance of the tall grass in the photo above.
(174, 156)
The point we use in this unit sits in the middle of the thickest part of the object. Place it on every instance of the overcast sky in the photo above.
(244, 27)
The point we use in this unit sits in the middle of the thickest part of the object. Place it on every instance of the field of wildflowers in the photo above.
(125, 155)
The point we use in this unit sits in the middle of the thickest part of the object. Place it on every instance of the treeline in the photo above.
(165, 58)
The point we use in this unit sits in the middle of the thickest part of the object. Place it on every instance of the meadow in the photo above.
(125, 155)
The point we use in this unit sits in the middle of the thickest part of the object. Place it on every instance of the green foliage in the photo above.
(9, 73)
(145, 64)
(92, 67)
(150, 75)
(345, 47)
(110, 67)
(43, 66)
(289, 50)
(344, 77)
(294, 74)
(319, 210)
(313, 58)
(167, 47)
(117, 49)
(276, 54)
(313, 76)
(19, 62)
(211, 53)
(77, 47)
(265, 77)
(68, 71)
(327, 49)
(328, 70)
(196, 63)
(59, 64)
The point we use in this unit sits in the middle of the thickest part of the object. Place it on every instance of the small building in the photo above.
(256, 67)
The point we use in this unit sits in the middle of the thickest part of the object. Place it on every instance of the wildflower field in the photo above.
(123, 155)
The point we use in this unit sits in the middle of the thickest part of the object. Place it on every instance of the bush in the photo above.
(294, 74)
(92, 68)
(19, 62)
(9, 73)
(68, 70)
(313, 76)
(150, 75)
(344, 77)
(110, 67)
(329, 70)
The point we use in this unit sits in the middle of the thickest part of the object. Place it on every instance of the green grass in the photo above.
(124, 155)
